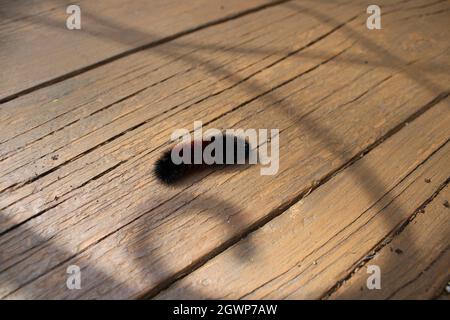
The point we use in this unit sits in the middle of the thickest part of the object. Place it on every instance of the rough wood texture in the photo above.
(421, 254)
(316, 243)
(76, 156)
(38, 48)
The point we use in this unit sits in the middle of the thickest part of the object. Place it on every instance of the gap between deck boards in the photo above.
(279, 210)
(140, 48)
(283, 208)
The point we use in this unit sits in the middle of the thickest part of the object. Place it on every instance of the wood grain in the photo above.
(38, 48)
(421, 254)
(305, 251)
(78, 188)
(99, 124)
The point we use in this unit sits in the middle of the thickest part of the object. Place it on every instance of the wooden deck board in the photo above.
(109, 29)
(153, 113)
(421, 255)
(304, 252)
(77, 186)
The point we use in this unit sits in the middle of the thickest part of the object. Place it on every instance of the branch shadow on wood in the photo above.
(29, 273)
(153, 264)
(316, 130)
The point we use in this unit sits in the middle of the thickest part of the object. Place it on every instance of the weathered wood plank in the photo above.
(305, 251)
(78, 99)
(152, 113)
(98, 120)
(37, 47)
(421, 254)
(76, 217)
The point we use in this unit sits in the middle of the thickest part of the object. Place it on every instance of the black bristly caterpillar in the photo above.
(168, 172)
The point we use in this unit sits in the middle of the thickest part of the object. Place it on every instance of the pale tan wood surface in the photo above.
(94, 119)
(312, 246)
(421, 254)
(77, 186)
(37, 47)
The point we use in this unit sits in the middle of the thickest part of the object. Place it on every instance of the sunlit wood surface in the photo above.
(364, 150)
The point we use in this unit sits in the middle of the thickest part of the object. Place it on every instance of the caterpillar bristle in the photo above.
(170, 173)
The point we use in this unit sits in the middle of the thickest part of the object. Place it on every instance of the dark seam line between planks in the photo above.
(132, 94)
(292, 53)
(428, 267)
(281, 209)
(205, 98)
(155, 224)
(371, 206)
(412, 117)
(384, 242)
(295, 77)
(201, 100)
(386, 193)
(258, 224)
(164, 112)
(124, 161)
(83, 250)
(178, 58)
(108, 170)
(21, 184)
(59, 203)
(72, 110)
(141, 48)
(381, 209)
(338, 107)
(368, 256)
